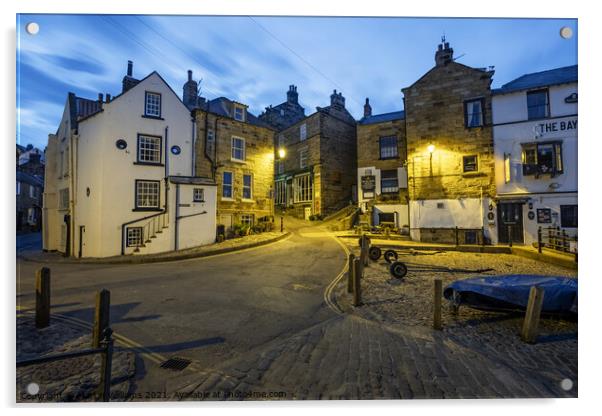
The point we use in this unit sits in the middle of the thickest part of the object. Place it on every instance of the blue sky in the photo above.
(253, 60)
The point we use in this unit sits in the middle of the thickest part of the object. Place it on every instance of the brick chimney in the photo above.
(337, 100)
(129, 81)
(190, 94)
(367, 108)
(292, 96)
(444, 54)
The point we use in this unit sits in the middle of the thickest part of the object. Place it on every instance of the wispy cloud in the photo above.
(254, 60)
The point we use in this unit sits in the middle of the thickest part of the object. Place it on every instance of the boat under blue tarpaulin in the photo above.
(511, 293)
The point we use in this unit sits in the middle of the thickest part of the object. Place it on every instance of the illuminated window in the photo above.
(280, 197)
(147, 194)
(542, 158)
(470, 163)
(388, 181)
(302, 188)
(247, 219)
(247, 186)
(507, 167)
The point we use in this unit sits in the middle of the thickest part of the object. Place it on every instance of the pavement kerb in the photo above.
(162, 257)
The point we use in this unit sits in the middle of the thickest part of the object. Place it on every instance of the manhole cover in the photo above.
(176, 364)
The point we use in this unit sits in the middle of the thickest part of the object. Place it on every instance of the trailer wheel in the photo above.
(374, 253)
(390, 256)
(398, 270)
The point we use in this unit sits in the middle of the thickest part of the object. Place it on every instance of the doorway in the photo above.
(510, 222)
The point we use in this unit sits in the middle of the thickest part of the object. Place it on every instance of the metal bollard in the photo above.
(437, 295)
(350, 272)
(281, 224)
(357, 287)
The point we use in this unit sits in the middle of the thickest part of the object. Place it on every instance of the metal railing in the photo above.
(155, 225)
(557, 239)
(106, 350)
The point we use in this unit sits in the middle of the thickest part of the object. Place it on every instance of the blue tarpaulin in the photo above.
(511, 292)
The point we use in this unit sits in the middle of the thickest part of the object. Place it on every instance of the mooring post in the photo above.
(105, 366)
(532, 315)
(42, 297)
(365, 249)
(281, 224)
(457, 237)
(539, 239)
(101, 316)
(510, 236)
(350, 272)
(437, 295)
(357, 287)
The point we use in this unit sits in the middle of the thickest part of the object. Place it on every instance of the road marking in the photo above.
(330, 288)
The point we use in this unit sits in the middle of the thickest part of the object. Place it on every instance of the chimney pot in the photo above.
(189, 75)
(130, 68)
(108, 97)
(100, 99)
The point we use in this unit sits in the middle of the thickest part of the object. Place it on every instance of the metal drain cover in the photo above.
(176, 363)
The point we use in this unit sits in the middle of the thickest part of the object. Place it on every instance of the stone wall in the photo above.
(368, 153)
(434, 109)
(259, 162)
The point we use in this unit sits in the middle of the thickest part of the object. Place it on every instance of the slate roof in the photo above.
(220, 107)
(556, 76)
(381, 118)
(27, 178)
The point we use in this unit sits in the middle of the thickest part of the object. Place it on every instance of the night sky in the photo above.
(253, 60)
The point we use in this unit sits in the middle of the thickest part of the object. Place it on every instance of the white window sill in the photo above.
(237, 160)
(248, 200)
(228, 199)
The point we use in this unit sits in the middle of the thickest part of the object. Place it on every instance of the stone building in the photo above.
(319, 153)
(381, 167)
(535, 135)
(285, 114)
(30, 188)
(450, 161)
(236, 149)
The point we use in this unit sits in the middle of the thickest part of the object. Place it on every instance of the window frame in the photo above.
(303, 161)
(383, 178)
(147, 94)
(127, 236)
(243, 149)
(547, 104)
(195, 197)
(231, 185)
(303, 194)
(242, 113)
(303, 132)
(533, 169)
(250, 187)
(280, 192)
(160, 147)
(481, 101)
(476, 163)
(380, 147)
(572, 206)
(137, 206)
(247, 219)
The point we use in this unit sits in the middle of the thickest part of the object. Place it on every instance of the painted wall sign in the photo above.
(368, 183)
(544, 215)
(554, 126)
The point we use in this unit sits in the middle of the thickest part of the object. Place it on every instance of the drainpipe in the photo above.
(177, 219)
(166, 206)
(193, 158)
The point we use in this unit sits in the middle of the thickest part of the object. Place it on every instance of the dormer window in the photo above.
(239, 113)
(152, 106)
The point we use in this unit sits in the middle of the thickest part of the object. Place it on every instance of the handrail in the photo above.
(148, 217)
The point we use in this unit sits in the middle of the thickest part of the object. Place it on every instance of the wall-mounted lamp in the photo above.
(431, 148)
(281, 153)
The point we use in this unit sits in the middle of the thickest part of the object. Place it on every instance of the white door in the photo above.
(307, 212)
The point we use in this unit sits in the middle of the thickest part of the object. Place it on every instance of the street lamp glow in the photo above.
(431, 148)
(281, 153)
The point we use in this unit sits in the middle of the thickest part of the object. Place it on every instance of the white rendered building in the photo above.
(120, 176)
(535, 142)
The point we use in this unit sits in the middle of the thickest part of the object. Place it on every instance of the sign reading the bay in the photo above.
(554, 126)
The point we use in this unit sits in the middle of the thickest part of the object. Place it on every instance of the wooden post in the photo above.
(42, 297)
(531, 322)
(357, 287)
(350, 273)
(105, 366)
(510, 235)
(539, 240)
(364, 250)
(281, 224)
(437, 295)
(457, 236)
(101, 316)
